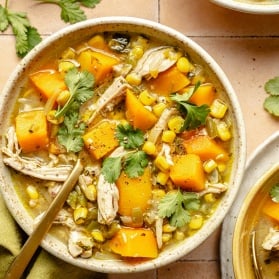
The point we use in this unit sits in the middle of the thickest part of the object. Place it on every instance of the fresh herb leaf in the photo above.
(194, 115)
(274, 193)
(26, 36)
(271, 104)
(129, 137)
(135, 163)
(272, 86)
(90, 3)
(80, 85)
(111, 168)
(70, 133)
(176, 205)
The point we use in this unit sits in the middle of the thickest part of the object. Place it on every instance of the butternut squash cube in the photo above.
(204, 95)
(48, 82)
(31, 130)
(139, 116)
(130, 242)
(271, 209)
(134, 192)
(101, 140)
(98, 63)
(187, 173)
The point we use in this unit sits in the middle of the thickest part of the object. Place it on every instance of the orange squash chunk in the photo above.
(204, 95)
(101, 140)
(169, 81)
(31, 130)
(138, 242)
(134, 192)
(48, 82)
(187, 173)
(98, 63)
(139, 116)
(207, 148)
(271, 209)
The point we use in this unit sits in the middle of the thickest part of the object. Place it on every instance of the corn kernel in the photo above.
(168, 136)
(137, 52)
(166, 237)
(183, 65)
(167, 228)
(80, 215)
(198, 79)
(149, 148)
(196, 222)
(133, 79)
(32, 192)
(65, 66)
(218, 108)
(179, 235)
(161, 163)
(63, 97)
(175, 123)
(222, 167)
(157, 194)
(223, 131)
(162, 178)
(98, 236)
(69, 53)
(209, 165)
(209, 198)
(146, 98)
(159, 108)
(53, 119)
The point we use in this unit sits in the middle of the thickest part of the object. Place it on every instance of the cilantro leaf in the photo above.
(69, 134)
(80, 85)
(70, 11)
(271, 104)
(176, 206)
(111, 168)
(135, 164)
(272, 86)
(4, 22)
(194, 115)
(274, 193)
(129, 137)
(90, 3)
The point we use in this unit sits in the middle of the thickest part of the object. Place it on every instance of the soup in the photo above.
(152, 131)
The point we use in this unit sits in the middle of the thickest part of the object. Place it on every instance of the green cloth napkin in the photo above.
(45, 266)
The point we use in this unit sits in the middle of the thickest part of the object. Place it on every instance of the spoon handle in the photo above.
(19, 264)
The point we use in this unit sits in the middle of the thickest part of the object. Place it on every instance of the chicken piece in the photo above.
(271, 241)
(32, 166)
(156, 60)
(112, 96)
(215, 188)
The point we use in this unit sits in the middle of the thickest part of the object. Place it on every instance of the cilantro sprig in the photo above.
(133, 162)
(80, 86)
(177, 206)
(194, 115)
(26, 35)
(271, 103)
(274, 193)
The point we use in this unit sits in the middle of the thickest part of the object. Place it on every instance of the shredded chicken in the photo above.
(271, 241)
(112, 96)
(215, 188)
(156, 60)
(32, 167)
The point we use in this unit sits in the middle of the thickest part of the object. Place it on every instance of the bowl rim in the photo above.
(239, 225)
(212, 224)
(248, 7)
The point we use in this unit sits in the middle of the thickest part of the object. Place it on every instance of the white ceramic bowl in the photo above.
(249, 7)
(79, 32)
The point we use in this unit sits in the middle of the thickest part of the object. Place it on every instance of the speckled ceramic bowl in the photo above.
(247, 222)
(79, 32)
(250, 6)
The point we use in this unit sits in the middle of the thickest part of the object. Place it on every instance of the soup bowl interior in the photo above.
(248, 222)
(51, 48)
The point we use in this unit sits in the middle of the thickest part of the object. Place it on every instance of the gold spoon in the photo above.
(19, 264)
(254, 256)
